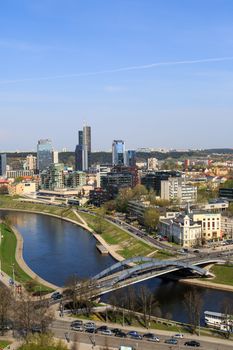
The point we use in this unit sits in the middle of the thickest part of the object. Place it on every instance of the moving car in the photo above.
(192, 343)
(178, 336)
(171, 341)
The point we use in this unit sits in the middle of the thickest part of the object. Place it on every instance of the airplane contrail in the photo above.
(122, 69)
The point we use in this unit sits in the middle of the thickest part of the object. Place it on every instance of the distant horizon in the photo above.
(138, 149)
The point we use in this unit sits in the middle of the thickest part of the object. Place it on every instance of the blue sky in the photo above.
(61, 64)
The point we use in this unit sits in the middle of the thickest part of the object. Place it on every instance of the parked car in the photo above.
(77, 323)
(101, 329)
(121, 334)
(136, 337)
(107, 332)
(171, 341)
(78, 328)
(116, 330)
(192, 343)
(151, 337)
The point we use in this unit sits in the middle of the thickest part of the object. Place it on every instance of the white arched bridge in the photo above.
(138, 269)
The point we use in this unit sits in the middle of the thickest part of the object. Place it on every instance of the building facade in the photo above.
(3, 165)
(118, 153)
(176, 189)
(44, 154)
(86, 147)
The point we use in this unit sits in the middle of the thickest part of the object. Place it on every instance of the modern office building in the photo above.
(120, 177)
(176, 189)
(152, 180)
(44, 154)
(3, 165)
(86, 147)
(53, 177)
(226, 193)
(83, 149)
(131, 158)
(118, 152)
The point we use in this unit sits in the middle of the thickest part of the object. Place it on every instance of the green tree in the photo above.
(227, 184)
(123, 198)
(151, 218)
(138, 191)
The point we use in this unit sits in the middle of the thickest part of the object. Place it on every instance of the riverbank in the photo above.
(13, 265)
(114, 249)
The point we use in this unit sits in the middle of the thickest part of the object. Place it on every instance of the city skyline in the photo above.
(155, 74)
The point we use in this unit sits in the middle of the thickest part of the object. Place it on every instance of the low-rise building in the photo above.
(181, 229)
(211, 224)
(22, 188)
(176, 189)
(227, 226)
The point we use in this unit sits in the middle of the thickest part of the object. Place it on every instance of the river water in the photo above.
(56, 249)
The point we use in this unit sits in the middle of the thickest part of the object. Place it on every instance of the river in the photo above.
(56, 249)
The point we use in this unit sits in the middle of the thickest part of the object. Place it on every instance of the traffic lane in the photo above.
(59, 328)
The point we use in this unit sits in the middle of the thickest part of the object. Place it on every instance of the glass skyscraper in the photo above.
(44, 154)
(118, 152)
(2, 164)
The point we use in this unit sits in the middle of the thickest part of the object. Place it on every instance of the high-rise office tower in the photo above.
(3, 165)
(118, 152)
(79, 152)
(83, 149)
(131, 158)
(44, 154)
(86, 147)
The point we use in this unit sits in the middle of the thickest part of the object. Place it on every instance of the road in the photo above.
(60, 327)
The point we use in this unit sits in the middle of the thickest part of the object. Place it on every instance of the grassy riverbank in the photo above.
(223, 274)
(4, 344)
(127, 245)
(8, 261)
(15, 203)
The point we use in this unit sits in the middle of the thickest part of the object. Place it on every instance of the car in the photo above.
(76, 323)
(120, 334)
(101, 328)
(89, 325)
(151, 337)
(116, 330)
(130, 333)
(56, 296)
(78, 328)
(171, 341)
(192, 343)
(90, 330)
(197, 251)
(178, 336)
(106, 332)
(136, 337)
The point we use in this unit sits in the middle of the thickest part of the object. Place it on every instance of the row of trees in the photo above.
(23, 314)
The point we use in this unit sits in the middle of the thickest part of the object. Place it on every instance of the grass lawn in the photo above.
(7, 256)
(223, 273)
(129, 246)
(3, 344)
(13, 203)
